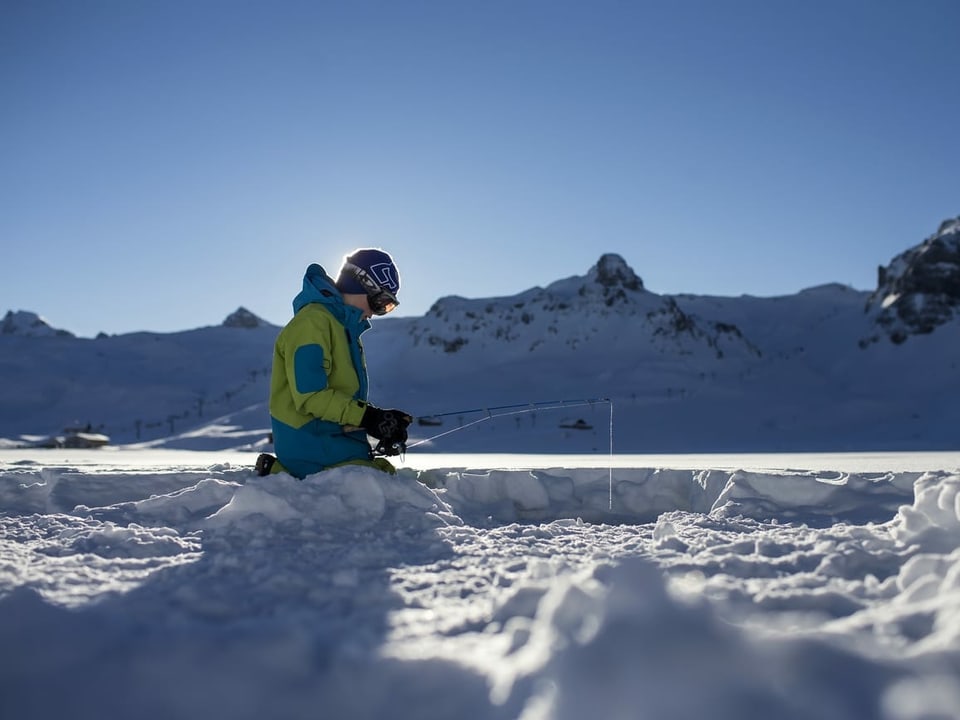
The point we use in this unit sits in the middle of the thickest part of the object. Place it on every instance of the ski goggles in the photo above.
(380, 299)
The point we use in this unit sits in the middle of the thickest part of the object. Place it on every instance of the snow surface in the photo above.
(156, 584)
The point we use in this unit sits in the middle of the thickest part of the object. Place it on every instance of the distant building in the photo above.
(85, 440)
(75, 438)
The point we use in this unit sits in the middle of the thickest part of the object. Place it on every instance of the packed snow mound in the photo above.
(346, 499)
(920, 289)
(608, 645)
(23, 322)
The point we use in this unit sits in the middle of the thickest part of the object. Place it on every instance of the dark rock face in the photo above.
(24, 322)
(612, 271)
(243, 318)
(920, 289)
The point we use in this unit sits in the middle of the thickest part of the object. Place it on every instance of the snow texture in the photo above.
(158, 585)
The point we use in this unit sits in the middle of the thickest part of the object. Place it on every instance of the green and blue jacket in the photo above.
(318, 388)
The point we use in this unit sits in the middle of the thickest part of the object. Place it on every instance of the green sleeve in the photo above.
(311, 338)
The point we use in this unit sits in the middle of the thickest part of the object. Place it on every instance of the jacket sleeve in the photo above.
(308, 350)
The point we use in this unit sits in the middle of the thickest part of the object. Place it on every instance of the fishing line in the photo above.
(519, 409)
(610, 468)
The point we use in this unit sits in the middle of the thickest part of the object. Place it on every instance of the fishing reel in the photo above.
(390, 448)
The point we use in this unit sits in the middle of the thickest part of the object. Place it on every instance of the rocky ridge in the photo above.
(23, 322)
(609, 300)
(920, 289)
(243, 318)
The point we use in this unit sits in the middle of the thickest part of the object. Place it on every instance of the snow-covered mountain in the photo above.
(920, 289)
(23, 322)
(243, 318)
(135, 387)
(829, 368)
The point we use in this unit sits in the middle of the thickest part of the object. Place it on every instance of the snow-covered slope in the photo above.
(685, 373)
(139, 386)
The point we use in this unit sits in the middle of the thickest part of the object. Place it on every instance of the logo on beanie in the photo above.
(385, 275)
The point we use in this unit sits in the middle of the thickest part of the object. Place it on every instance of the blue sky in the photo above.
(166, 161)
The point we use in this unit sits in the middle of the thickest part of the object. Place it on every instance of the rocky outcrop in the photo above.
(578, 312)
(243, 318)
(920, 289)
(30, 324)
(612, 271)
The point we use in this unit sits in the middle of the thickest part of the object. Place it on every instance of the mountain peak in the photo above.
(920, 289)
(612, 270)
(243, 318)
(23, 322)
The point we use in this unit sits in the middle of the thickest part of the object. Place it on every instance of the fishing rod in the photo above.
(529, 406)
(520, 408)
(514, 409)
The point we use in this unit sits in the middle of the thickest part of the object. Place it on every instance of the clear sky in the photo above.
(163, 162)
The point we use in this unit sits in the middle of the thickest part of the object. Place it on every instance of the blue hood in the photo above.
(318, 287)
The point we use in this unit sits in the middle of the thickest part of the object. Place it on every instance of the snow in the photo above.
(159, 584)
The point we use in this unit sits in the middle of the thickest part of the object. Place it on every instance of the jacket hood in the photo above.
(318, 287)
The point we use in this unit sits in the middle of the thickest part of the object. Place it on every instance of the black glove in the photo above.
(387, 426)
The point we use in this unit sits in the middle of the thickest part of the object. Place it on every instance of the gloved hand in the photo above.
(387, 426)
